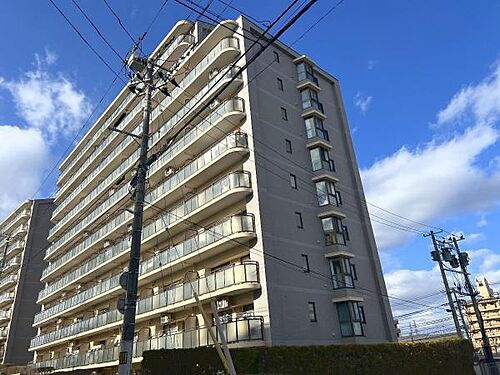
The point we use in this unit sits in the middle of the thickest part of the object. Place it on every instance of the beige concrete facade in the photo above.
(489, 305)
(222, 214)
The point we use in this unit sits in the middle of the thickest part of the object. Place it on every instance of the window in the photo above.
(293, 181)
(335, 232)
(298, 220)
(276, 56)
(310, 100)
(325, 191)
(305, 71)
(351, 318)
(342, 273)
(305, 258)
(279, 81)
(320, 159)
(315, 128)
(284, 115)
(311, 311)
(288, 146)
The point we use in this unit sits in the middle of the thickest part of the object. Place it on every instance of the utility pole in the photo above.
(436, 256)
(131, 276)
(463, 261)
(459, 307)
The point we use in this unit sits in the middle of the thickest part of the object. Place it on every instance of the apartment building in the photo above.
(23, 239)
(489, 305)
(258, 205)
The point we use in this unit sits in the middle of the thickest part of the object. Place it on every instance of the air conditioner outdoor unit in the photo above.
(223, 303)
(165, 319)
(106, 243)
(213, 73)
(169, 171)
(111, 192)
(214, 104)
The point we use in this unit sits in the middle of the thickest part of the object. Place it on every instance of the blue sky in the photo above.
(421, 85)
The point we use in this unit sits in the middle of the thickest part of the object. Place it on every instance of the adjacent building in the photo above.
(23, 240)
(258, 205)
(489, 306)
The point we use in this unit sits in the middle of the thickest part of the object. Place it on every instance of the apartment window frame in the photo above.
(276, 56)
(310, 99)
(305, 71)
(342, 271)
(298, 220)
(279, 82)
(284, 114)
(311, 312)
(320, 159)
(306, 267)
(336, 233)
(315, 128)
(351, 317)
(293, 181)
(327, 193)
(288, 146)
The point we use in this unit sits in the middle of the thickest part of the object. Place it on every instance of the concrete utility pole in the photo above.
(463, 261)
(459, 307)
(436, 256)
(131, 276)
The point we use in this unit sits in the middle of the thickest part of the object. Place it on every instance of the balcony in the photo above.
(3, 334)
(213, 240)
(20, 231)
(23, 215)
(240, 330)
(191, 81)
(8, 281)
(4, 315)
(15, 247)
(230, 280)
(6, 299)
(124, 149)
(11, 265)
(181, 41)
(223, 193)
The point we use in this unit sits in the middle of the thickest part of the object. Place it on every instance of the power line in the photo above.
(119, 21)
(97, 30)
(86, 41)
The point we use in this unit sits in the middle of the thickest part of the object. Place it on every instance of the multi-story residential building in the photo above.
(489, 306)
(23, 239)
(257, 205)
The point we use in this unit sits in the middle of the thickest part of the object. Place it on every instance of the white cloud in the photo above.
(482, 222)
(371, 64)
(24, 154)
(362, 102)
(480, 102)
(48, 102)
(433, 182)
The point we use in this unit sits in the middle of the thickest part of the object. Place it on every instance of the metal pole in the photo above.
(128, 331)
(446, 285)
(459, 306)
(488, 354)
(211, 333)
(227, 353)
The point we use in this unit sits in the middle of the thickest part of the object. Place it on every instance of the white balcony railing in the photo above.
(231, 105)
(235, 274)
(179, 40)
(190, 77)
(242, 329)
(128, 163)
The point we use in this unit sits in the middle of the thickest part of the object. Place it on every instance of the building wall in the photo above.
(25, 307)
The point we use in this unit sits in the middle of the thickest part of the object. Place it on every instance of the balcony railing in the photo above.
(312, 103)
(4, 314)
(132, 159)
(231, 181)
(8, 280)
(227, 227)
(11, 264)
(239, 330)
(113, 316)
(232, 275)
(6, 297)
(18, 244)
(224, 43)
(180, 39)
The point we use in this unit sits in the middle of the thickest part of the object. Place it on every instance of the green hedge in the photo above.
(436, 357)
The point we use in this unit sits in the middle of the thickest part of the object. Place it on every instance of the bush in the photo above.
(437, 357)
